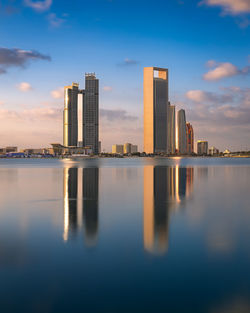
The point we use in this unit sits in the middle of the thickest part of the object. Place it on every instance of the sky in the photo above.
(48, 44)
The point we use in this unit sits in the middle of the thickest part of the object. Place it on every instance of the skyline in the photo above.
(208, 67)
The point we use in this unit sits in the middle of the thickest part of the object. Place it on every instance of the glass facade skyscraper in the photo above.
(155, 110)
(90, 114)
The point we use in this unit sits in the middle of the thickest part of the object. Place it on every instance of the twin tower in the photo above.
(89, 119)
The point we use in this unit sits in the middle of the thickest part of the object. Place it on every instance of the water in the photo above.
(125, 235)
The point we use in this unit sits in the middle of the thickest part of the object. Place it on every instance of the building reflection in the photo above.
(165, 189)
(70, 180)
(90, 190)
(73, 216)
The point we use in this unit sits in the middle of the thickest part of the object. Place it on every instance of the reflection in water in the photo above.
(164, 189)
(70, 179)
(90, 191)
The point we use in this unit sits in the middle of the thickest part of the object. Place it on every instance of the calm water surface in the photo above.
(125, 235)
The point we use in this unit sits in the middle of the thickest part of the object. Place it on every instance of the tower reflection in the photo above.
(90, 190)
(70, 179)
(89, 186)
(165, 189)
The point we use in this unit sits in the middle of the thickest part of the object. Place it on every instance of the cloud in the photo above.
(18, 58)
(128, 62)
(38, 5)
(232, 7)
(58, 93)
(223, 118)
(24, 87)
(223, 70)
(199, 96)
(211, 63)
(56, 21)
(112, 115)
(107, 88)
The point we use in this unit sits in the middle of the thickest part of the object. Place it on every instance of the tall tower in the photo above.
(70, 120)
(155, 88)
(171, 129)
(90, 113)
(182, 137)
(190, 138)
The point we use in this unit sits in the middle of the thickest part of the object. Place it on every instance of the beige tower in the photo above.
(155, 89)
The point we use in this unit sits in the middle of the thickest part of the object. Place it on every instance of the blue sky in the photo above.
(116, 39)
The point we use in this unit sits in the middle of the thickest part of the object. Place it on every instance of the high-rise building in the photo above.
(171, 129)
(190, 138)
(155, 88)
(70, 116)
(90, 113)
(181, 128)
(202, 147)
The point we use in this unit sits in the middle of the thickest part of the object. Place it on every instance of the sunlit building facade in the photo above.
(155, 88)
(117, 149)
(70, 115)
(190, 138)
(181, 130)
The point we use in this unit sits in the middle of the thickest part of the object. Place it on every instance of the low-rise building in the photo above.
(117, 149)
(213, 151)
(134, 149)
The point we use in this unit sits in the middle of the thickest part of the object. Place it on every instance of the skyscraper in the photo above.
(190, 138)
(70, 116)
(171, 129)
(90, 113)
(155, 109)
(182, 136)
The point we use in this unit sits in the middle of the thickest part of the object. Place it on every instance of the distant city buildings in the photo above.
(90, 114)
(202, 147)
(127, 148)
(155, 89)
(181, 132)
(8, 150)
(213, 151)
(117, 149)
(190, 138)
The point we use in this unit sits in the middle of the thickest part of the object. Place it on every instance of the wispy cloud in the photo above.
(112, 115)
(233, 7)
(222, 117)
(128, 62)
(38, 5)
(58, 93)
(107, 88)
(56, 21)
(24, 87)
(223, 70)
(18, 58)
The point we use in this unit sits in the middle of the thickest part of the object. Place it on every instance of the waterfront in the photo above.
(125, 235)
